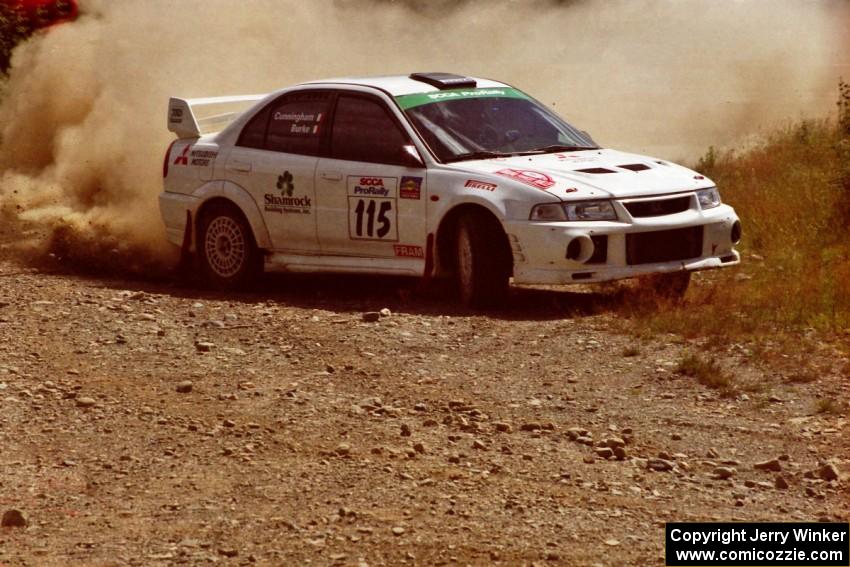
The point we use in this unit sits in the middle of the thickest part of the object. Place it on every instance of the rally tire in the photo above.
(227, 252)
(482, 269)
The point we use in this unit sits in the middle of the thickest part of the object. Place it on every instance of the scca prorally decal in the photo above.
(529, 177)
(285, 202)
(371, 186)
(372, 210)
(410, 188)
(406, 251)
(183, 158)
(484, 186)
(418, 99)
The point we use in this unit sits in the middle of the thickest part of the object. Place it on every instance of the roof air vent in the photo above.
(445, 80)
(597, 170)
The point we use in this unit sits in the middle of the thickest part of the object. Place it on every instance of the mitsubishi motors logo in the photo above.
(183, 159)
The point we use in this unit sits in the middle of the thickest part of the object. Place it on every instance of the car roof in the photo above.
(398, 85)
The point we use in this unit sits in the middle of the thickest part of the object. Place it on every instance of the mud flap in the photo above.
(186, 265)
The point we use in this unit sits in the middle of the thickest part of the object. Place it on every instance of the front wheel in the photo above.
(670, 286)
(226, 247)
(482, 269)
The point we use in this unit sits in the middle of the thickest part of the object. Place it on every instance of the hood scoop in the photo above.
(595, 170)
(634, 167)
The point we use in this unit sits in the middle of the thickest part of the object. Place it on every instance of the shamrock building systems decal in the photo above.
(285, 202)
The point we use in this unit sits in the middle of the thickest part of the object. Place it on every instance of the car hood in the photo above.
(586, 174)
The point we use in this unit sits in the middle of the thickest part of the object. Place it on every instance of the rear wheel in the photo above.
(482, 270)
(226, 247)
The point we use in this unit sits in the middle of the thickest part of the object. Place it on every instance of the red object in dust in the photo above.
(45, 13)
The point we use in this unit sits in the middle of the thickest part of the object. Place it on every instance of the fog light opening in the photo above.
(736, 232)
(580, 249)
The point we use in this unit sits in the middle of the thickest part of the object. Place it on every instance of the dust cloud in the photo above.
(82, 117)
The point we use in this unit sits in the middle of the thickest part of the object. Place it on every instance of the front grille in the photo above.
(664, 245)
(600, 249)
(659, 207)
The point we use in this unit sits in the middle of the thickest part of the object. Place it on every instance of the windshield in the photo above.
(482, 123)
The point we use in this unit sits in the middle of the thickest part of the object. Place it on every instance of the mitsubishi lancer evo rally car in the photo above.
(427, 175)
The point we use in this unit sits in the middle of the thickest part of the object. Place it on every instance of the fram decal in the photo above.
(473, 184)
(406, 251)
(529, 177)
(176, 115)
(410, 188)
(183, 159)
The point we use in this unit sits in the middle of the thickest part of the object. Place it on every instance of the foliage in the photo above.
(792, 192)
(707, 372)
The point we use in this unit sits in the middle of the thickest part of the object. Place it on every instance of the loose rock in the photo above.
(605, 452)
(660, 465)
(343, 449)
(723, 473)
(13, 519)
(828, 472)
(184, 387)
(771, 465)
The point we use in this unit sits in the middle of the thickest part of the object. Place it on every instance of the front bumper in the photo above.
(541, 253)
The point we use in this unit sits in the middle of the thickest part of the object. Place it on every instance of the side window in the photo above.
(363, 130)
(254, 133)
(291, 124)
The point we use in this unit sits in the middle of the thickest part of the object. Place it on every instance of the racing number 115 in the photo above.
(384, 223)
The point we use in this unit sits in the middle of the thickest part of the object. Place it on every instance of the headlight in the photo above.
(548, 212)
(590, 211)
(708, 198)
(581, 211)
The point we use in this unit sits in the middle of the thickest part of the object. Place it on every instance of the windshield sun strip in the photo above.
(418, 99)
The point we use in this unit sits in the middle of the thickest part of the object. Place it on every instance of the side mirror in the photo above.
(410, 157)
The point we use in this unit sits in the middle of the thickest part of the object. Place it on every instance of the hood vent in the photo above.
(596, 170)
(634, 167)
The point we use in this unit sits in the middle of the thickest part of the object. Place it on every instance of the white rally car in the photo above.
(427, 175)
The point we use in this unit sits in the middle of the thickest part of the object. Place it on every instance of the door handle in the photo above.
(240, 166)
(332, 175)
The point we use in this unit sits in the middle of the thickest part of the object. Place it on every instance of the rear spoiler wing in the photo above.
(183, 121)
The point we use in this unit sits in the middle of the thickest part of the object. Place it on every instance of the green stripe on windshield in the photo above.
(418, 99)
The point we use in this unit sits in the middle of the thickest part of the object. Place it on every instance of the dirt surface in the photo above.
(302, 434)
